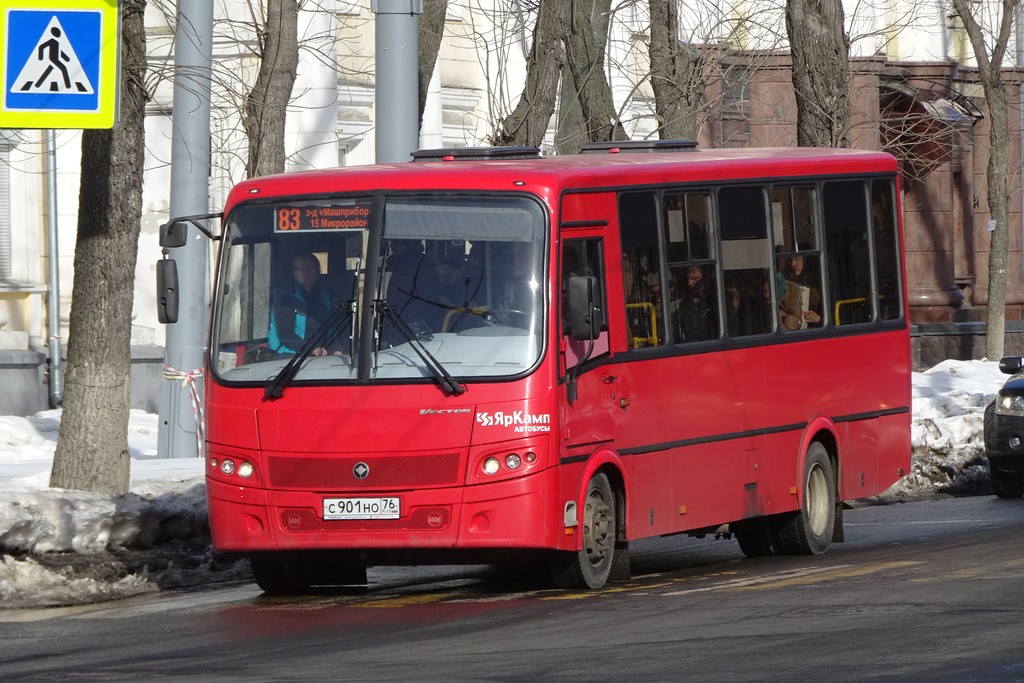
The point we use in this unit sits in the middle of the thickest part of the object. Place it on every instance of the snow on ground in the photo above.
(61, 547)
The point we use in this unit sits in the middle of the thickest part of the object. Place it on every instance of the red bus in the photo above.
(486, 356)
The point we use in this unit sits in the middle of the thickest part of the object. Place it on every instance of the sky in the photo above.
(60, 547)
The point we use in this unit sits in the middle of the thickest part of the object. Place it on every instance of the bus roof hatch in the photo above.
(617, 146)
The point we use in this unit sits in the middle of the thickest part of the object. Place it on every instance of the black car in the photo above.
(1004, 432)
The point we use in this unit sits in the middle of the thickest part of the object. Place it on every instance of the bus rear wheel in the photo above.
(809, 531)
(591, 566)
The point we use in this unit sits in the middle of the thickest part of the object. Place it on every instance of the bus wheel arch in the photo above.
(809, 531)
(603, 553)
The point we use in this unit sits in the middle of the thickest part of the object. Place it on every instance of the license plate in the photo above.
(362, 508)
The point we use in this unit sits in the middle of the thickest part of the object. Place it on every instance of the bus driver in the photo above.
(299, 311)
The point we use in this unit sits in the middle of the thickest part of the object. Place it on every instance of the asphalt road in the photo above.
(925, 591)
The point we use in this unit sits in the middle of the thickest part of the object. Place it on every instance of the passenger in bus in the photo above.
(695, 315)
(301, 309)
(762, 308)
(810, 309)
(749, 303)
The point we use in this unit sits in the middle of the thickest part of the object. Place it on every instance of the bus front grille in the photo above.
(317, 473)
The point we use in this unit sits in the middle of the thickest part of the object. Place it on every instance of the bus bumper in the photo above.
(519, 513)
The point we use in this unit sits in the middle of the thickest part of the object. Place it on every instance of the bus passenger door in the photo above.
(587, 380)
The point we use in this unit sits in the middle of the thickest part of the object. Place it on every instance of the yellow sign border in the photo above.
(109, 75)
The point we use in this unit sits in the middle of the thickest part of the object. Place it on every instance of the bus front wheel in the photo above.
(280, 574)
(809, 531)
(758, 536)
(591, 566)
(1006, 484)
(290, 573)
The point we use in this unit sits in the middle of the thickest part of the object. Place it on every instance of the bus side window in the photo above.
(746, 261)
(886, 248)
(641, 269)
(245, 308)
(693, 280)
(849, 264)
(798, 275)
(585, 257)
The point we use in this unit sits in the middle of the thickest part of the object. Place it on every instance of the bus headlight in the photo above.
(246, 470)
(227, 466)
(493, 462)
(1010, 404)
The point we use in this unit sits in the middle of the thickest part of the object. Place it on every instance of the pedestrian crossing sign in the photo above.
(59, 63)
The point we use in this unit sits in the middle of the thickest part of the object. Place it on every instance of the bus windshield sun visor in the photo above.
(322, 337)
(496, 219)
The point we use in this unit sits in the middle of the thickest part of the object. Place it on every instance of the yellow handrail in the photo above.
(843, 302)
(653, 339)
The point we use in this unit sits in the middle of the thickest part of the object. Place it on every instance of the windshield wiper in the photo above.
(324, 335)
(443, 377)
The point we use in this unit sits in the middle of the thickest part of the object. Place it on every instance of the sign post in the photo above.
(59, 63)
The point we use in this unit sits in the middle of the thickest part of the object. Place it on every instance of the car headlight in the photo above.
(1010, 404)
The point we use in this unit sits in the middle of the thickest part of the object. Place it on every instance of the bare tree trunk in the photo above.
(570, 130)
(677, 75)
(585, 40)
(431, 31)
(528, 123)
(998, 207)
(821, 53)
(92, 450)
(267, 102)
(996, 101)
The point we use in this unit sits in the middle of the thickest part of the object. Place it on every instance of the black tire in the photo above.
(291, 573)
(591, 566)
(809, 531)
(280, 574)
(1006, 484)
(758, 537)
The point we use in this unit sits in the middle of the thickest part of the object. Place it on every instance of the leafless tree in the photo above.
(528, 122)
(585, 86)
(820, 49)
(267, 102)
(431, 31)
(677, 75)
(92, 449)
(989, 49)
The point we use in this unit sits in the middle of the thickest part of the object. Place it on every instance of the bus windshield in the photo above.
(388, 289)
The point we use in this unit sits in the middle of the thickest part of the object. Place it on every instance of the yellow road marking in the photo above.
(826, 575)
(405, 600)
(797, 577)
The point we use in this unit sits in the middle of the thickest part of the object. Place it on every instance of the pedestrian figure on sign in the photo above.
(56, 57)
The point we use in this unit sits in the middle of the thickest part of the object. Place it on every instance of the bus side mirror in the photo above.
(167, 291)
(174, 234)
(1011, 365)
(581, 314)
